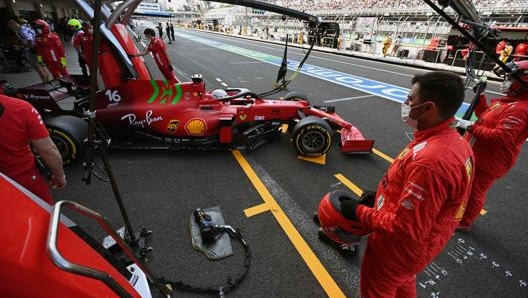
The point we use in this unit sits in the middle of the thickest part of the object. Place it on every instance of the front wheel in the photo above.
(312, 137)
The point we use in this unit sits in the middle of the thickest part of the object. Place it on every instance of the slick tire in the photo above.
(68, 133)
(296, 96)
(312, 136)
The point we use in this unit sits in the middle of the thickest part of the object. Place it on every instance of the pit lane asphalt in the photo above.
(161, 189)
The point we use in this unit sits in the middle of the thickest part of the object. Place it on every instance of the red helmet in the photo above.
(519, 69)
(331, 216)
(41, 26)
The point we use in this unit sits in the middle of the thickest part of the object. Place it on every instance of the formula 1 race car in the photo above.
(137, 111)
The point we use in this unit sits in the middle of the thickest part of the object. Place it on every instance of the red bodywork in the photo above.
(26, 269)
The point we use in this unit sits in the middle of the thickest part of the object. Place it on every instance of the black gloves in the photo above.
(348, 207)
(368, 197)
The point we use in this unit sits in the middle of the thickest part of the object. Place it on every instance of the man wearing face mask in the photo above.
(422, 196)
(496, 137)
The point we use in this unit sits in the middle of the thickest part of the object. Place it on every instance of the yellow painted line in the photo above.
(382, 155)
(314, 264)
(318, 160)
(349, 184)
(256, 210)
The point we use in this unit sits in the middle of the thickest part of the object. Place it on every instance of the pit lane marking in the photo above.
(349, 98)
(382, 155)
(257, 210)
(314, 264)
(354, 188)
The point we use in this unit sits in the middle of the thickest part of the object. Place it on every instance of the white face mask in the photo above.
(405, 114)
(505, 86)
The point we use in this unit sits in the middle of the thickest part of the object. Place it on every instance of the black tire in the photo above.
(68, 133)
(296, 96)
(312, 137)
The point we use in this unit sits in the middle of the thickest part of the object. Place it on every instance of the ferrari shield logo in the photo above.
(243, 117)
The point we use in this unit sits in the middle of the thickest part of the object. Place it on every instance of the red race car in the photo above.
(137, 111)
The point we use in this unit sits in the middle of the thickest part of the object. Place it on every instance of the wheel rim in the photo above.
(62, 146)
(313, 141)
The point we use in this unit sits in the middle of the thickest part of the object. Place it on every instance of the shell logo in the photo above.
(196, 127)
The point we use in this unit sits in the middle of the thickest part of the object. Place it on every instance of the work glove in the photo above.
(368, 198)
(464, 124)
(348, 207)
(39, 60)
(482, 81)
(63, 62)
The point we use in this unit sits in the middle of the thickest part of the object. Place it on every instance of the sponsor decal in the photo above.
(142, 122)
(469, 167)
(407, 204)
(460, 212)
(260, 118)
(196, 127)
(37, 97)
(173, 125)
(403, 153)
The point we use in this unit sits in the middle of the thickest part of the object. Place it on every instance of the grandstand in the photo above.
(422, 30)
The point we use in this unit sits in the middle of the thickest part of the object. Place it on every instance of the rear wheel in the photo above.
(312, 137)
(68, 133)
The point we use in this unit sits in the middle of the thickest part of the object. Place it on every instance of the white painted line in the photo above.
(218, 79)
(348, 98)
(224, 84)
(247, 62)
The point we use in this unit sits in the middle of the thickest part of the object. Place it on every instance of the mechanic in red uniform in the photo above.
(50, 50)
(83, 41)
(496, 137)
(159, 51)
(422, 196)
(21, 126)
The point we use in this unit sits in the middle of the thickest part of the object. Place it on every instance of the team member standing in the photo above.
(75, 26)
(422, 196)
(26, 35)
(21, 126)
(159, 51)
(496, 137)
(50, 50)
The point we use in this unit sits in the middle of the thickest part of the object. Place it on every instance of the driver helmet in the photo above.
(41, 26)
(511, 85)
(219, 93)
(74, 24)
(331, 216)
